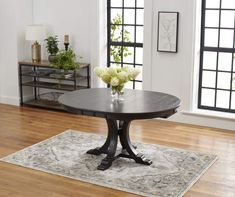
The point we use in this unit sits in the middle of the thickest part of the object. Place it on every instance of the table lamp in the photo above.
(35, 33)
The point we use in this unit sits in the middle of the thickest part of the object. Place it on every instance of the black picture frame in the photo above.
(167, 38)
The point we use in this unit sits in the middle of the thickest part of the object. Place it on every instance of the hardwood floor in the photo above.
(22, 127)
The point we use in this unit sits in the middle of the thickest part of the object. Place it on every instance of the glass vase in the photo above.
(117, 94)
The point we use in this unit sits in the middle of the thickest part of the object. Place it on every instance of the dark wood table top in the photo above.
(137, 104)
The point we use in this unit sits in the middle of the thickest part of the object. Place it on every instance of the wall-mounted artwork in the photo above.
(167, 40)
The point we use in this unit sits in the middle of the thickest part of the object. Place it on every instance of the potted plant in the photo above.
(52, 47)
(65, 60)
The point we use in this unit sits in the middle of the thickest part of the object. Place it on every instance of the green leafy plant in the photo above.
(116, 36)
(52, 45)
(65, 60)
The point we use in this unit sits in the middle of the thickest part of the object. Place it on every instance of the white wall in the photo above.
(66, 17)
(80, 20)
(175, 73)
(14, 16)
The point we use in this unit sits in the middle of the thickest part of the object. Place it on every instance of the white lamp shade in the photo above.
(35, 32)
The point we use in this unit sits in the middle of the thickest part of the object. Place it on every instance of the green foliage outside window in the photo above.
(116, 36)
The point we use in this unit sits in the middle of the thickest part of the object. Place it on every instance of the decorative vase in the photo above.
(117, 93)
(51, 58)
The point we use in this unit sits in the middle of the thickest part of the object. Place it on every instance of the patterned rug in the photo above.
(172, 173)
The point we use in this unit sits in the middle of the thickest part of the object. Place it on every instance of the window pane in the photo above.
(129, 3)
(224, 80)
(140, 17)
(116, 16)
(129, 16)
(233, 85)
(116, 3)
(212, 3)
(208, 79)
(209, 60)
(128, 54)
(129, 85)
(129, 34)
(140, 3)
(115, 53)
(139, 77)
(139, 34)
(225, 61)
(222, 99)
(230, 4)
(226, 38)
(227, 19)
(233, 101)
(128, 65)
(208, 97)
(139, 55)
(116, 33)
(212, 18)
(138, 86)
(116, 64)
(211, 37)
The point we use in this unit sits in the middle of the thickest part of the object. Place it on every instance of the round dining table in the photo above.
(136, 104)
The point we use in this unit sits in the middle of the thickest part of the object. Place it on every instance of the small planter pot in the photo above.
(51, 58)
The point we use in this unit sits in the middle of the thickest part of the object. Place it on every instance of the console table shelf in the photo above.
(53, 86)
(41, 77)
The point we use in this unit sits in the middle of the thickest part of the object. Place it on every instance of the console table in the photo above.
(48, 83)
(137, 104)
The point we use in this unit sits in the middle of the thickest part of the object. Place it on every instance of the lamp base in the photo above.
(36, 52)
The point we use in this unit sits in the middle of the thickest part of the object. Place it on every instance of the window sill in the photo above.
(210, 114)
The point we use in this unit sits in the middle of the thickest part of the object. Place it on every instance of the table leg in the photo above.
(129, 151)
(109, 147)
(115, 129)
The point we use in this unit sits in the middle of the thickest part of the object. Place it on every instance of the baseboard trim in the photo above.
(10, 100)
(212, 122)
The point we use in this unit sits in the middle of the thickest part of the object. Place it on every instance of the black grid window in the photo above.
(217, 63)
(125, 36)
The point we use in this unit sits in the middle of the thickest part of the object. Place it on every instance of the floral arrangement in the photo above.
(116, 77)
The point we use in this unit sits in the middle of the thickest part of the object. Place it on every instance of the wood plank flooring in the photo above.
(21, 127)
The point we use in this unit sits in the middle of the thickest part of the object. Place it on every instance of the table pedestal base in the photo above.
(116, 130)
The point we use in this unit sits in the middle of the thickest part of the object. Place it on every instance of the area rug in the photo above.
(172, 173)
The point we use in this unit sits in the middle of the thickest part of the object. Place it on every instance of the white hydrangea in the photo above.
(123, 76)
(99, 71)
(133, 73)
(119, 69)
(114, 81)
(126, 68)
(116, 76)
(112, 71)
(106, 77)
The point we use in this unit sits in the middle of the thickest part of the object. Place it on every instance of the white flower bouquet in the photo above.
(116, 77)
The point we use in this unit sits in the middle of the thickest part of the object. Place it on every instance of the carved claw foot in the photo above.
(134, 146)
(105, 164)
(140, 158)
(95, 151)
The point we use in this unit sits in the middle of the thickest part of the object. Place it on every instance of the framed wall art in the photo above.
(167, 40)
